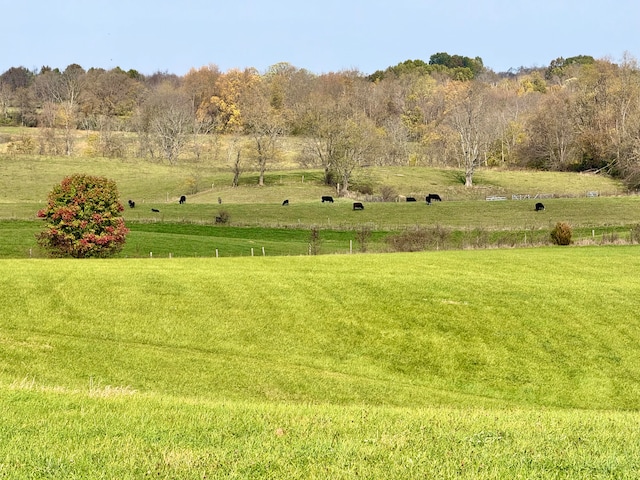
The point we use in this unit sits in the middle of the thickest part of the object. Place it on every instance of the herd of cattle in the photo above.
(432, 197)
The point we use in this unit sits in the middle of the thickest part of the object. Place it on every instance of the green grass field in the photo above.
(260, 222)
(190, 231)
(473, 362)
(517, 363)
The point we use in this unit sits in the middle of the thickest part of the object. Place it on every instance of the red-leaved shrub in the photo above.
(83, 218)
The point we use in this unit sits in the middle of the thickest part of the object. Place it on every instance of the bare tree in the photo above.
(234, 159)
(5, 100)
(264, 122)
(168, 118)
(322, 118)
(356, 146)
(550, 133)
(63, 90)
(471, 119)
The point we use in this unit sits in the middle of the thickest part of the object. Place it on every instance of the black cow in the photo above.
(411, 199)
(433, 196)
(183, 199)
(539, 207)
(286, 202)
(327, 198)
(132, 204)
(155, 210)
(219, 200)
(358, 206)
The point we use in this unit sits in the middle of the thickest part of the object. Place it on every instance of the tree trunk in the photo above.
(236, 171)
(468, 178)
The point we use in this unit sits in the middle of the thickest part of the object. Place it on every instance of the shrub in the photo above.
(477, 238)
(363, 235)
(561, 234)
(610, 237)
(363, 188)
(223, 217)
(23, 145)
(83, 218)
(419, 239)
(314, 241)
(388, 193)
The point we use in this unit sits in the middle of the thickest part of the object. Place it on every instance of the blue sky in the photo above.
(319, 35)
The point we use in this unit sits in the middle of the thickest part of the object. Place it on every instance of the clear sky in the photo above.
(318, 35)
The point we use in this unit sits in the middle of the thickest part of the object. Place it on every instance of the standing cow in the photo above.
(327, 198)
(358, 206)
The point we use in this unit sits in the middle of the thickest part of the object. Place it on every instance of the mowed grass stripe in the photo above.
(103, 433)
(550, 326)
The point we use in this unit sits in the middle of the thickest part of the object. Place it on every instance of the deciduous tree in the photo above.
(62, 91)
(167, 118)
(264, 120)
(550, 142)
(356, 146)
(83, 218)
(471, 119)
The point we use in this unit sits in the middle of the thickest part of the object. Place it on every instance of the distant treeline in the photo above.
(578, 114)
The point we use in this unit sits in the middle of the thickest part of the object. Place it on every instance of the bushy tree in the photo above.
(83, 218)
(561, 234)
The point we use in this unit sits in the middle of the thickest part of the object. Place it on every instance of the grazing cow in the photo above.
(183, 199)
(539, 207)
(155, 210)
(286, 202)
(327, 198)
(411, 199)
(358, 206)
(433, 196)
(132, 204)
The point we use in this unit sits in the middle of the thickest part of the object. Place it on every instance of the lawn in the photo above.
(516, 363)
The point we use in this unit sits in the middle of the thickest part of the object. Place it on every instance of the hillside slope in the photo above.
(545, 327)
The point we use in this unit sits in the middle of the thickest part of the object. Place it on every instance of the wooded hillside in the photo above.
(577, 114)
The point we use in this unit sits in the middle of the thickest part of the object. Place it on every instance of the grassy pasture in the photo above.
(26, 180)
(189, 229)
(29, 178)
(472, 364)
(461, 214)
(506, 215)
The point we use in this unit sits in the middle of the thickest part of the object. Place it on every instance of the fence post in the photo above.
(350, 246)
(252, 251)
(263, 254)
(216, 253)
